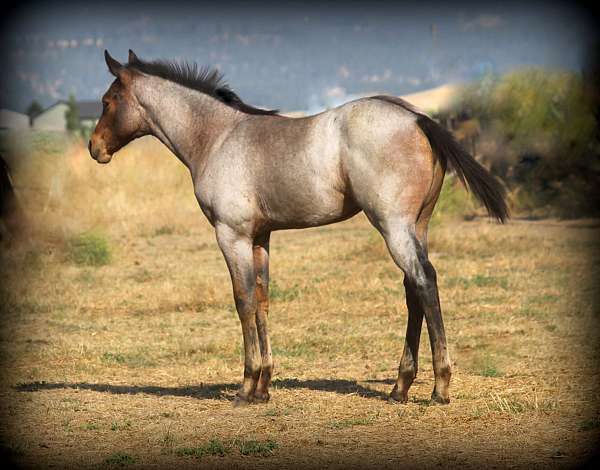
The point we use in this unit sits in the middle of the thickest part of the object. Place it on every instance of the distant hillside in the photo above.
(298, 57)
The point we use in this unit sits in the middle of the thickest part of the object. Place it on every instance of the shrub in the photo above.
(89, 249)
(539, 132)
(455, 202)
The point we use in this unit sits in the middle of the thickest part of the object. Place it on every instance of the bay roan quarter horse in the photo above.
(255, 171)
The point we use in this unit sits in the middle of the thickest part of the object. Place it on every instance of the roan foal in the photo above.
(255, 171)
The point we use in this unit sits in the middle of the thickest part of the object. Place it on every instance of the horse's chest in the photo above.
(225, 200)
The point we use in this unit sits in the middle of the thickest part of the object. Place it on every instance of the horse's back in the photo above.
(303, 172)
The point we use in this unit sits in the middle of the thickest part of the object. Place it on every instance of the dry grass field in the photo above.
(120, 345)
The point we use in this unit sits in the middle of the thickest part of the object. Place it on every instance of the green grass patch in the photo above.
(212, 447)
(532, 311)
(164, 230)
(489, 370)
(89, 249)
(545, 299)
(120, 459)
(215, 447)
(478, 281)
(295, 350)
(486, 367)
(168, 440)
(117, 358)
(277, 292)
(257, 448)
(350, 422)
(134, 359)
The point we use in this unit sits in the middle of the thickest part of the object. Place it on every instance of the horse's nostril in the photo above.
(91, 150)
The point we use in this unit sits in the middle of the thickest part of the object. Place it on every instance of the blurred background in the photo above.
(515, 82)
(119, 339)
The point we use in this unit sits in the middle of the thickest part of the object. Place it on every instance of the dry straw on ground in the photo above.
(134, 362)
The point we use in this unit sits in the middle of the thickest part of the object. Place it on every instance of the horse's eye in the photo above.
(104, 105)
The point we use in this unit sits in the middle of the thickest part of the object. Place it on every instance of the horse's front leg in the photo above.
(261, 267)
(237, 250)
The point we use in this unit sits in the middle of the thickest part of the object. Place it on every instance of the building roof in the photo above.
(86, 109)
(89, 109)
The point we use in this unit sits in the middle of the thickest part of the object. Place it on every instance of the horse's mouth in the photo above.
(103, 159)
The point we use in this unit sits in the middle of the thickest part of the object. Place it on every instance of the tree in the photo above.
(33, 110)
(72, 115)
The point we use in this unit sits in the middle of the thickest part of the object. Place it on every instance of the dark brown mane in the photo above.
(204, 79)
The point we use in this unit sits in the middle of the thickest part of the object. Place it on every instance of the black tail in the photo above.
(475, 177)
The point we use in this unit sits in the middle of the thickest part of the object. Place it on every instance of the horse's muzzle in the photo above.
(98, 153)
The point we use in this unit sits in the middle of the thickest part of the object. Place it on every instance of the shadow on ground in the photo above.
(213, 391)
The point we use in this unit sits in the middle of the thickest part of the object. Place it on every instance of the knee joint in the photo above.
(424, 279)
(245, 306)
(408, 371)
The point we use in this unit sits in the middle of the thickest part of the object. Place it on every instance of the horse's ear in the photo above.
(132, 59)
(114, 66)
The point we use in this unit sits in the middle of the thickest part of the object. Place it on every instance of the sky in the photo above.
(293, 57)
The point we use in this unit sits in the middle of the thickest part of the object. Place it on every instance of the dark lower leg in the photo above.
(407, 371)
(261, 267)
(262, 388)
(428, 293)
(251, 360)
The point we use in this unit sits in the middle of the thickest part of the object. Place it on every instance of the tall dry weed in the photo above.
(64, 192)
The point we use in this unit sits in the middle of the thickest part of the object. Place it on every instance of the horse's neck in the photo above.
(187, 121)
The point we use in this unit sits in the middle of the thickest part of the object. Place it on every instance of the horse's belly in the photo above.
(305, 209)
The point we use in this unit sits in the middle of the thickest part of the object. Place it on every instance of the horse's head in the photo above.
(122, 117)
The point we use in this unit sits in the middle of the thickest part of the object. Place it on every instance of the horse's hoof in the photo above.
(437, 399)
(263, 397)
(241, 401)
(397, 396)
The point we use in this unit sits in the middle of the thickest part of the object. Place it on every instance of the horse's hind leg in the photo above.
(422, 299)
(408, 368)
